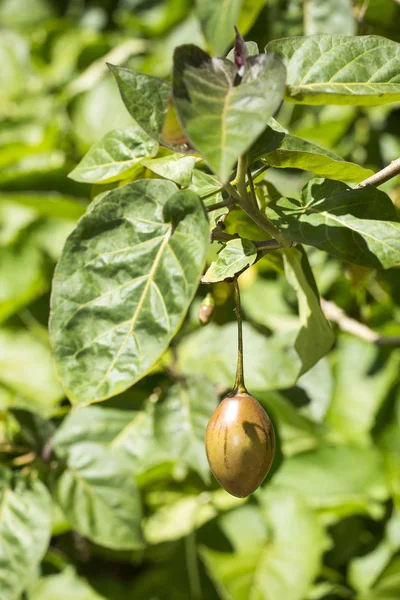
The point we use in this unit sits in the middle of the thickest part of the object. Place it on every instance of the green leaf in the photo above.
(26, 369)
(336, 69)
(295, 153)
(91, 424)
(177, 167)
(181, 420)
(145, 97)
(217, 20)
(222, 120)
(123, 285)
(362, 381)
(63, 585)
(337, 481)
(315, 337)
(22, 278)
(128, 433)
(365, 570)
(357, 225)
(99, 497)
(388, 585)
(266, 567)
(236, 256)
(389, 442)
(329, 16)
(25, 522)
(115, 156)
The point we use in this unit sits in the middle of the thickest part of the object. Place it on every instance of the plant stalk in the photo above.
(240, 387)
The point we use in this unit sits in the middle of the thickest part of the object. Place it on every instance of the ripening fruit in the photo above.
(240, 444)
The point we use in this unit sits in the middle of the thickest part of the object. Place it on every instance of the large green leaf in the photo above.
(25, 523)
(336, 69)
(123, 285)
(315, 337)
(329, 16)
(294, 153)
(61, 586)
(145, 97)
(337, 481)
(217, 19)
(362, 381)
(266, 563)
(220, 118)
(99, 497)
(357, 225)
(26, 369)
(181, 420)
(233, 258)
(388, 585)
(115, 156)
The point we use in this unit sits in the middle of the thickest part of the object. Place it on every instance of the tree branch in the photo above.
(381, 176)
(335, 314)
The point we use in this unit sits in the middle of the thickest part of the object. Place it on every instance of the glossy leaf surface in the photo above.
(115, 155)
(358, 225)
(337, 69)
(233, 258)
(122, 287)
(220, 118)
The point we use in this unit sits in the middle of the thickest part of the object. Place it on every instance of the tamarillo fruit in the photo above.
(240, 444)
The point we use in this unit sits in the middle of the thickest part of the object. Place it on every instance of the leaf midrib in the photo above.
(146, 288)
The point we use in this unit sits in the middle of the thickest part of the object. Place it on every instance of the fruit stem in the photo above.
(239, 382)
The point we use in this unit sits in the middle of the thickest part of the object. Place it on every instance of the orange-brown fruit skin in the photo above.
(240, 444)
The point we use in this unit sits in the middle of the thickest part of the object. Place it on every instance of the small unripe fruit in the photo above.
(240, 444)
(206, 310)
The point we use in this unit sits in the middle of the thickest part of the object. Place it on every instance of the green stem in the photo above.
(241, 175)
(239, 382)
(261, 220)
(192, 567)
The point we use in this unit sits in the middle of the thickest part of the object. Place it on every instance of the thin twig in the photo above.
(253, 194)
(335, 314)
(224, 203)
(381, 176)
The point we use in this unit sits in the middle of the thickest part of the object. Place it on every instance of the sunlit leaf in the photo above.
(358, 225)
(337, 481)
(66, 584)
(99, 497)
(232, 259)
(177, 167)
(123, 285)
(115, 156)
(220, 118)
(337, 69)
(266, 564)
(181, 420)
(329, 16)
(25, 522)
(217, 19)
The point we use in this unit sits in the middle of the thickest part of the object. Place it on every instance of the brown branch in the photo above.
(381, 176)
(335, 314)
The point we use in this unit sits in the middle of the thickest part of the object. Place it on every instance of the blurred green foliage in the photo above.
(325, 525)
